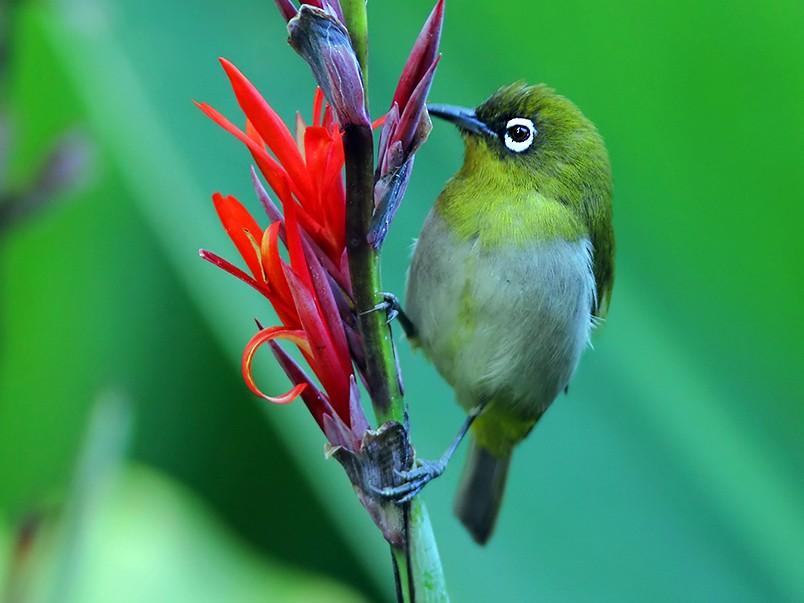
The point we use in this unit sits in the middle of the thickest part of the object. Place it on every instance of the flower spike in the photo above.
(299, 261)
(309, 287)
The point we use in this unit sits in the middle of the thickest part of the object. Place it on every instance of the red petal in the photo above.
(315, 150)
(326, 362)
(260, 338)
(335, 196)
(329, 119)
(328, 309)
(271, 128)
(218, 261)
(238, 224)
(272, 263)
(274, 173)
(318, 104)
(293, 242)
(282, 185)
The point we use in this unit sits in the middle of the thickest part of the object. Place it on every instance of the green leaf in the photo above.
(146, 538)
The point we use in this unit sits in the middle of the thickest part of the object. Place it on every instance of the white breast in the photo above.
(506, 324)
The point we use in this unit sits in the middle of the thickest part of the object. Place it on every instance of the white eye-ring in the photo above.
(519, 134)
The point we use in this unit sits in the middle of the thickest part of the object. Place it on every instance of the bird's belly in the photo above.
(504, 324)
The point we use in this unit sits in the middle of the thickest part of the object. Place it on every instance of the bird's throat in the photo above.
(497, 215)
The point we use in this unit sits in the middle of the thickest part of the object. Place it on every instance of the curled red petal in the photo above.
(264, 336)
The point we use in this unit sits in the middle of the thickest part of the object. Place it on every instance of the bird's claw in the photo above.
(389, 304)
(412, 481)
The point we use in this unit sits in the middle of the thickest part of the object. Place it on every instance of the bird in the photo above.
(512, 270)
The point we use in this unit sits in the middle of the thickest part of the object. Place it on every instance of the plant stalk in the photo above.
(421, 561)
(417, 565)
(364, 266)
(354, 11)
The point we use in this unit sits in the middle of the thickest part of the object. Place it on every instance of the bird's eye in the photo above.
(519, 134)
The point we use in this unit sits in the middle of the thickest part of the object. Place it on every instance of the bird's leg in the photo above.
(393, 309)
(416, 479)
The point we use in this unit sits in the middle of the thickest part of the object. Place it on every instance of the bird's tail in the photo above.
(480, 493)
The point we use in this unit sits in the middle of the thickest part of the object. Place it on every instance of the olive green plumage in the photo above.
(567, 163)
(513, 264)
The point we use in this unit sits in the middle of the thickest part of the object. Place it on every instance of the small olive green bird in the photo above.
(512, 269)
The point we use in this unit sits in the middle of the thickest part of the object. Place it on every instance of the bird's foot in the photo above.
(413, 481)
(393, 310)
(425, 471)
(389, 304)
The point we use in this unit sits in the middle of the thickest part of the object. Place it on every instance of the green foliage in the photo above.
(142, 537)
(672, 469)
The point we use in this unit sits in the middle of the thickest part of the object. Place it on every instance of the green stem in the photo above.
(402, 574)
(428, 575)
(364, 266)
(417, 565)
(421, 560)
(354, 11)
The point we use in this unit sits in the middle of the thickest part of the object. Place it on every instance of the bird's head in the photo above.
(535, 136)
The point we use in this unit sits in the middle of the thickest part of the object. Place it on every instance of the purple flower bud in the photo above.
(410, 132)
(421, 57)
(407, 126)
(322, 40)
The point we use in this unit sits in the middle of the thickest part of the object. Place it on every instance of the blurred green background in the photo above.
(135, 466)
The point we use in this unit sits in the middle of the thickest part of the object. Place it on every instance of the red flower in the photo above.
(311, 292)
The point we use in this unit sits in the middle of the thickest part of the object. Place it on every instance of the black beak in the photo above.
(464, 118)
